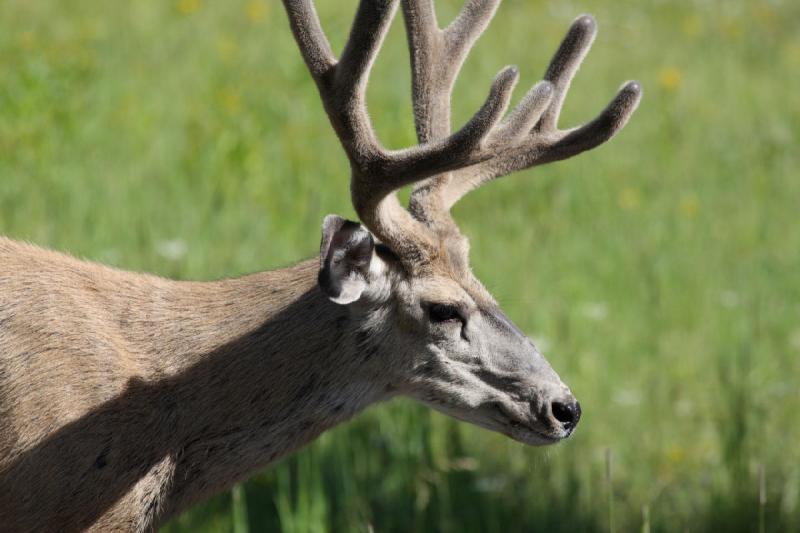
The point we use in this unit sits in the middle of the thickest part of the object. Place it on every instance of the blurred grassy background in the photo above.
(659, 273)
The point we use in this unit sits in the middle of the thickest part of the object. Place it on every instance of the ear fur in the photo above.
(345, 255)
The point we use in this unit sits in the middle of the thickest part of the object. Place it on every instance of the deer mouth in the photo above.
(524, 432)
(527, 434)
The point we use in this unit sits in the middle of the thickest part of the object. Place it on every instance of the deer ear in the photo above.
(345, 255)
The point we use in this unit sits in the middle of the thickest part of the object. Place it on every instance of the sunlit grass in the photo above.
(659, 273)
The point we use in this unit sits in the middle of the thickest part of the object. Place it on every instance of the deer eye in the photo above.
(445, 313)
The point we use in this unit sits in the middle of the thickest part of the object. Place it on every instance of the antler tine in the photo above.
(563, 145)
(465, 29)
(310, 37)
(377, 172)
(437, 56)
(565, 64)
(519, 146)
(528, 136)
(342, 83)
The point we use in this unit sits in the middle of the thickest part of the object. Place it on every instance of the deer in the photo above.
(125, 398)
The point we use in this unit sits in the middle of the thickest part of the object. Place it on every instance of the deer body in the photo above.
(149, 394)
(124, 398)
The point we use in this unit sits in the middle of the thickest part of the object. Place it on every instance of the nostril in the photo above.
(568, 413)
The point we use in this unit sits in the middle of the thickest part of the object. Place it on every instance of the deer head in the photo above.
(405, 271)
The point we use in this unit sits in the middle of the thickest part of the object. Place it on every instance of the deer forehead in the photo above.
(451, 288)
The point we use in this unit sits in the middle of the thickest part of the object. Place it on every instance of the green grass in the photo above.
(660, 273)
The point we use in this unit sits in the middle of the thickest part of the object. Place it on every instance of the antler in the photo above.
(377, 172)
(528, 136)
(484, 148)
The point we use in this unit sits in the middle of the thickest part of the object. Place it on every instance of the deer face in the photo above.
(463, 355)
(446, 341)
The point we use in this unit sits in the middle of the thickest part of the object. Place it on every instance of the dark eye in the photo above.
(444, 313)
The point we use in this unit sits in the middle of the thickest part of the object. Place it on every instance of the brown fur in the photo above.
(126, 397)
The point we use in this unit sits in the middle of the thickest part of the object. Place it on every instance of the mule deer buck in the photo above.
(125, 398)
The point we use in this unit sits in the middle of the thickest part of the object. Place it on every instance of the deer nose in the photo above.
(567, 412)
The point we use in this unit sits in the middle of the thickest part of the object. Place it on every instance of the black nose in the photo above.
(568, 413)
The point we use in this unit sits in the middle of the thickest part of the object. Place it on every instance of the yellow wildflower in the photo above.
(689, 206)
(691, 25)
(791, 53)
(256, 10)
(230, 99)
(731, 28)
(27, 39)
(675, 454)
(227, 48)
(629, 198)
(764, 14)
(187, 7)
(670, 78)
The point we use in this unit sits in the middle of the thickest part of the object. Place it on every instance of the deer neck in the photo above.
(286, 365)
